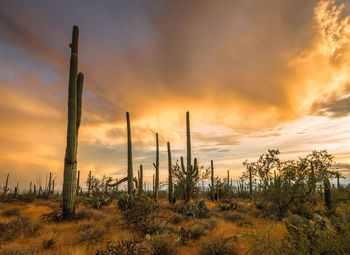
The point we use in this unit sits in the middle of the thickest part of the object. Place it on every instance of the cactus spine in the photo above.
(170, 187)
(156, 166)
(130, 171)
(212, 187)
(74, 116)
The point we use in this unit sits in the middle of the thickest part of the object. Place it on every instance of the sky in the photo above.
(254, 75)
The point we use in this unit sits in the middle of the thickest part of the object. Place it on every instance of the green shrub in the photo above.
(228, 205)
(196, 210)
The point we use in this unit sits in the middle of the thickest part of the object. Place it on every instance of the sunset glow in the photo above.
(254, 75)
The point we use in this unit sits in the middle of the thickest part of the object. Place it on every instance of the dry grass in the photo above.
(95, 227)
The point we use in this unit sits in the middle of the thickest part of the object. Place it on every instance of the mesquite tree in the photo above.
(74, 116)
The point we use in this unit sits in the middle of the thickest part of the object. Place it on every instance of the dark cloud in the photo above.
(334, 107)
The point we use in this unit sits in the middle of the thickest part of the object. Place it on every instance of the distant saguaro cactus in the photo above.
(78, 184)
(74, 117)
(130, 170)
(141, 179)
(170, 180)
(191, 172)
(156, 166)
(327, 194)
(5, 189)
(212, 186)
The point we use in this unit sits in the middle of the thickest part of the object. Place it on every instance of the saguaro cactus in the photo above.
(5, 188)
(49, 187)
(130, 170)
(251, 183)
(141, 180)
(156, 166)
(78, 183)
(212, 187)
(192, 171)
(170, 180)
(89, 180)
(74, 116)
(327, 194)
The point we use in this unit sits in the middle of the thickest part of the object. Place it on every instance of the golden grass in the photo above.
(65, 234)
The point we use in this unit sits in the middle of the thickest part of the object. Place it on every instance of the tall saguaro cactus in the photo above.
(191, 172)
(156, 166)
(74, 116)
(170, 187)
(130, 170)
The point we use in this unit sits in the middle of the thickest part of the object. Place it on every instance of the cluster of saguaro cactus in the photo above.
(156, 166)
(74, 117)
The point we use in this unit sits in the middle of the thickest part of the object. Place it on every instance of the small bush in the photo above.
(17, 251)
(202, 227)
(48, 243)
(54, 216)
(16, 227)
(176, 218)
(11, 212)
(235, 217)
(227, 205)
(90, 233)
(142, 212)
(163, 245)
(196, 210)
(124, 247)
(218, 246)
(85, 214)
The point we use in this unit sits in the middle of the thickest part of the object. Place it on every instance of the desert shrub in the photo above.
(202, 227)
(142, 212)
(99, 195)
(16, 227)
(85, 214)
(90, 233)
(315, 236)
(17, 251)
(54, 216)
(197, 209)
(123, 247)
(218, 246)
(11, 212)
(48, 243)
(227, 205)
(111, 220)
(163, 245)
(176, 218)
(236, 217)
